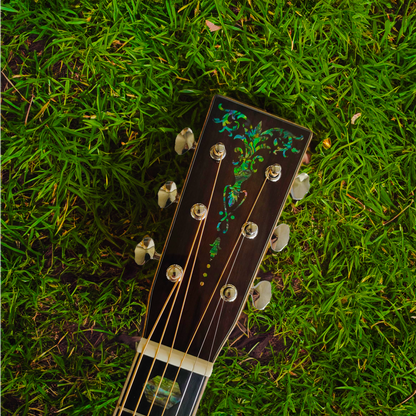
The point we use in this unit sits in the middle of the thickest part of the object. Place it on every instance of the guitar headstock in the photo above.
(243, 168)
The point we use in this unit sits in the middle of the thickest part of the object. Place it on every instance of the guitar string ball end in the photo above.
(273, 172)
(218, 152)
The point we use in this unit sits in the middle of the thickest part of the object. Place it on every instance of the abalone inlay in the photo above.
(161, 395)
(250, 142)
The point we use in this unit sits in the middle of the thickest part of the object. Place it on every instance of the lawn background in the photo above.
(93, 95)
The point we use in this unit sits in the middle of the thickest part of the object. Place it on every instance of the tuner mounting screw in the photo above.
(174, 272)
(228, 293)
(199, 211)
(273, 172)
(250, 230)
(218, 151)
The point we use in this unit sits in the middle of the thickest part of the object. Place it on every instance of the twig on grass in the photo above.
(11, 83)
(28, 110)
(404, 401)
(356, 200)
(400, 213)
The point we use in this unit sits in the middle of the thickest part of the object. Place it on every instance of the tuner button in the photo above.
(184, 141)
(280, 237)
(300, 187)
(168, 193)
(145, 251)
(261, 294)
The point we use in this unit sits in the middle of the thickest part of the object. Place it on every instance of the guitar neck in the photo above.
(178, 378)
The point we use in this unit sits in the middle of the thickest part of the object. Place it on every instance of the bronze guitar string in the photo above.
(212, 296)
(177, 285)
(137, 353)
(212, 320)
(187, 288)
(167, 321)
(229, 274)
(222, 306)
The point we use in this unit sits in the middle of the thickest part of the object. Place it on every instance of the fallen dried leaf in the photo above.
(211, 26)
(354, 118)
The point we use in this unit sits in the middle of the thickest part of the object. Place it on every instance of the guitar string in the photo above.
(209, 327)
(212, 295)
(137, 353)
(189, 282)
(199, 323)
(121, 409)
(219, 318)
(177, 285)
(168, 318)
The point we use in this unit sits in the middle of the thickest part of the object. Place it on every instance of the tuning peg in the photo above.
(145, 251)
(300, 187)
(168, 194)
(184, 141)
(261, 294)
(280, 237)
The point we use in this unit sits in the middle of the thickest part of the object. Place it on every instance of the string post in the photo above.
(174, 273)
(199, 211)
(218, 152)
(228, 293)
(273, 172)
(250, 230)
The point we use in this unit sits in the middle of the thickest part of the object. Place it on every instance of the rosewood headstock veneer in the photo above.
(245, 164)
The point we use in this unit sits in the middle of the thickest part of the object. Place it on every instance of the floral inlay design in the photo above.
(249, 142)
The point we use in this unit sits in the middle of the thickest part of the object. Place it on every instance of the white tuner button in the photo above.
(280, 238)
(261, 294)
(145, 251)
(168, 194)
(184, 141)
(300, 187)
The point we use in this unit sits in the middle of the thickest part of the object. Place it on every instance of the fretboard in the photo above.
(187, 374)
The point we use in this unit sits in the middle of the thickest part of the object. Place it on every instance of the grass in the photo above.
(93, 96)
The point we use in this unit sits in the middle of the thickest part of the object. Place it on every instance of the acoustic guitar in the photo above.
(245, 164)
